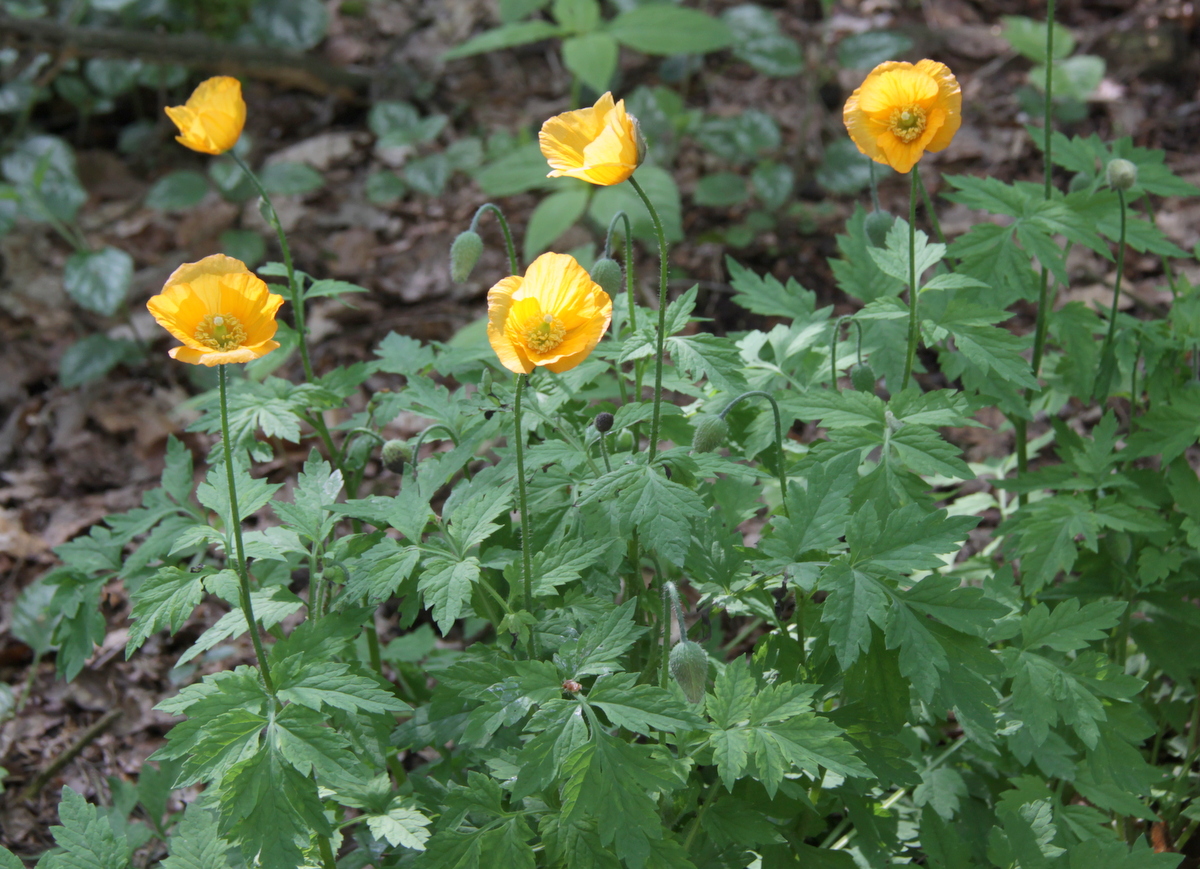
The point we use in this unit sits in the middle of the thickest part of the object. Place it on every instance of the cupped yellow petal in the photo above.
(500, 303)
(216, 264)
(600, 144)
(902, 110)
(212, 119)
(220, 314)
(554, 316)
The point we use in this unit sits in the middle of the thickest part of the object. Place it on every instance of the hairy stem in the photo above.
(513, 264)
(913, 324)
(293, 285)
(656, 418)
(235, 528)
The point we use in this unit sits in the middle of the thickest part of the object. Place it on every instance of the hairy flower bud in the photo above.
(862, 378)
(603, 421)
(464, 254)
(710, 432)
(394, 454)
(607, 273)
(876, 225)
(689, 667)
(1121, 174)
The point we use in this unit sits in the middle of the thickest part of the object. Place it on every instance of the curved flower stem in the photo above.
(513, 264)
(235, 528)
(913, 324)
(780, 471)
(420, 441)
(1107, 363)
(612, 224)
(293, 285)
(656, 418)
(833, 341)
(523, 502)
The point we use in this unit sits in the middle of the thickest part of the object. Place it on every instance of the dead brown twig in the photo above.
(273, 64)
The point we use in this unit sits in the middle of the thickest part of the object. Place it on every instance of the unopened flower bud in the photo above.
(710, 432)
(639, 139)
(876, 225)
(607, 273)
(394, 454)
(603, 421)
(689, 667)
(624, 441)
(485, 382)
(1121, 174)
(1079, 181)
(464, 253)
(862, 378)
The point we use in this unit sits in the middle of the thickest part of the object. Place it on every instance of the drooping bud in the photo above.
(710, 432)
(394, 454)
(876, 225)
(607, 273)
(603, 421)
(1122, 174)
(862, 378)
(464, 254)
(689, 667)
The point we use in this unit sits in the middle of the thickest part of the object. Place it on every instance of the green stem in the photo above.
(665, 620)
(780, 470)
(293, 285)
(604, 453)
(235, 528)
(833, 342)
(695, 827)
(327, 860)
(621, 215)
(1105, 366)
(656, 418)
(420, 442)
(913, 326)
(519, 444)
(514, 265)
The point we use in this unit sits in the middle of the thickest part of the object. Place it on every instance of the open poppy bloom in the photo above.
(602, 144)
(553, 316)
(212, 119)
(219, 310)
(900, 111)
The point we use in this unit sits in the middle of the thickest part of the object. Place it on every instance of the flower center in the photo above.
(907, 123)
(221, 332)
(544, 333)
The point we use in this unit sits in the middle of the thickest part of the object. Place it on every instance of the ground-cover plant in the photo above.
(677, 635)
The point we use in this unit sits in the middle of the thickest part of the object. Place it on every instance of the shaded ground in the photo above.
(69, 457)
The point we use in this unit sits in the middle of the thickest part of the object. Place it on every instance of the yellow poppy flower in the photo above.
(212, 119)
(553, 316)
(219, 310)
(602, 144)
(900, 111)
